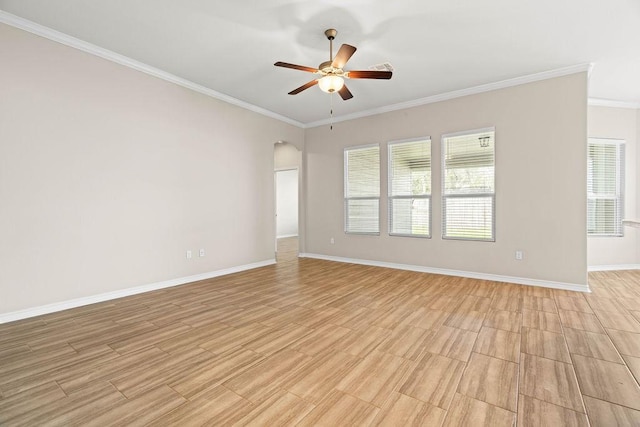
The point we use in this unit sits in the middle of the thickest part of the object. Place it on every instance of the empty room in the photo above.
(327, 213)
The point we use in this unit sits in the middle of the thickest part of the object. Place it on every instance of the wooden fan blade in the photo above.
(296, 67)
(345, 93)
(343, 56)
(369, 75)
(304, 87)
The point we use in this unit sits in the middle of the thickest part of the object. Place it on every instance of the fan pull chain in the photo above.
(331, 113)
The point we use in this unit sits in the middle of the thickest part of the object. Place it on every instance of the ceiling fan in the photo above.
(332, 73)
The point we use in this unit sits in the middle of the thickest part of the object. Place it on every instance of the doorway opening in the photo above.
(286, 213)
(287, 161)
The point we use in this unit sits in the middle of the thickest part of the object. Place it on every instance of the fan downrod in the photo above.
(331, 34)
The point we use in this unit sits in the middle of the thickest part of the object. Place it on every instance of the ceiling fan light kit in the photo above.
(331, 83)
(332, 73)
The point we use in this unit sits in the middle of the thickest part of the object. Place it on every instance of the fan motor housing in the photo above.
(327, 69)
(325, 66)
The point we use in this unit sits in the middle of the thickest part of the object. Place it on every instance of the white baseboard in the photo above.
(613, 267)
(64, 305)
(284, 236)
(470, 274)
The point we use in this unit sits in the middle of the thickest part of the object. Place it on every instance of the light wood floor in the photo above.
(310, 342)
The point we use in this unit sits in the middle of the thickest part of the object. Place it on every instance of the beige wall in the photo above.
(540, 182)
(617, 123)
(108, 175)
(287, 156)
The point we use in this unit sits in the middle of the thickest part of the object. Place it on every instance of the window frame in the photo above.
(347, 199)
(620, 182)
(390, 197)
(469, 195)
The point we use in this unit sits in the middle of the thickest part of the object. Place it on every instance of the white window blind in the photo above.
(605, 187)
(410, 188)
(468, 185)
(362, 189)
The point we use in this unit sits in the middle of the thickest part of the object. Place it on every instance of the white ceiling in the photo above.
(435, 46)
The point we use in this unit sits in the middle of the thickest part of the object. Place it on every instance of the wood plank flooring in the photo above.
(311, 342)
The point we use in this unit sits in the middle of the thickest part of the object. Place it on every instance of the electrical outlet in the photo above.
(201, 252)
(189, 255)
(332, 240)
(519, 255)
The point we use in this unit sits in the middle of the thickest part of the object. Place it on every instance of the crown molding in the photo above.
(57, 36)
(458, 93)
(599, 102)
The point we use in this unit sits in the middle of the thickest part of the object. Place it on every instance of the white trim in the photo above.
(599, 102)
(57, 36)
(470, 274)
(610, 141)
(284, 236)
(402, 141)
(613, 267)
(65, 305)
(467, 132)
(457, 94)
(361, 146)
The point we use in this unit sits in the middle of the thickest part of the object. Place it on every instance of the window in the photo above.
(468, 185)
(362, 189)
(605, 187)
(410, 188)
